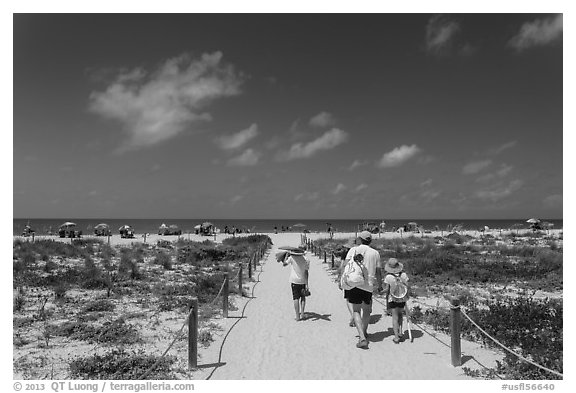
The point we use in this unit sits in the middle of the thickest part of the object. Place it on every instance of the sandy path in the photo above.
(269, 344)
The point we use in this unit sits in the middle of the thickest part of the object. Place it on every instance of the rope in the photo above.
(508, 349)
(167, 349)
(145, 374)
(232, 327)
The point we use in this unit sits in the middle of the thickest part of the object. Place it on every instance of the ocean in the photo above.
(145, 225)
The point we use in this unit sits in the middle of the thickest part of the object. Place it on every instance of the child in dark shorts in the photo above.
(298, 279)
(396, 306)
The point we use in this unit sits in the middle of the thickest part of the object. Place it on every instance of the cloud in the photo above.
(239, 139)
(155, 106)
(497, 193)
(307, 196)
(339, 188)
(476, 166)
(235, 199)
(430, 194)
(552, 201)
(542, 31)
(504, 170)
(499, 149)
(322, 120)
(361, 187)
(440, 33)
(329, 140)
(398, 156)
(426, 183)
(356, 164)
(248, 158)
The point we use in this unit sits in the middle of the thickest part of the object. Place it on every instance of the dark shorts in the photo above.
(358, 296)
(396, 304)
(346, 293)
(297, 291)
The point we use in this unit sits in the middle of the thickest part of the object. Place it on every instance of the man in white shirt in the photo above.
(298, 279)
(360, 296)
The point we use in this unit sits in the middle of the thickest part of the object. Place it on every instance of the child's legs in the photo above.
(396, 318)
(302, 305)
(297, 307)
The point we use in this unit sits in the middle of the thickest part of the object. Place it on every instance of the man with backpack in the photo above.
(396, 281)
(361, 277)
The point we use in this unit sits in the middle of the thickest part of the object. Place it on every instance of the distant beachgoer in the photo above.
(360, 295)
(396, 302)
(299, 267)
(276, 230)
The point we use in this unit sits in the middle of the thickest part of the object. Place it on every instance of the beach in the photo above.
(260, 340)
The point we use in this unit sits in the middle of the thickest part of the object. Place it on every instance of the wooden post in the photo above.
(225, 296)
(193, 335)
(254, 259)
(240, 279)
(455, 331)
(324, 256)
(250, 269)
(332, 260)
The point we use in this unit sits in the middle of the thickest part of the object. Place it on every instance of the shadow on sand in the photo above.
(310, 315)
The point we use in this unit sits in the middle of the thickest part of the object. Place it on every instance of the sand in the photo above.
(262, 341)
(266, 343)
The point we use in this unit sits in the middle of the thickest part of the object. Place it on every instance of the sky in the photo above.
(424, 116)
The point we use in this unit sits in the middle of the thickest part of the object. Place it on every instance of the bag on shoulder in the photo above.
(398, 289)
(353, 275)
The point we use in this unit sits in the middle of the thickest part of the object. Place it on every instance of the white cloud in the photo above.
(426, 183)
(501, 172)
(430, 194)
(552, 201)
(499, 149)
(476, 166)
(361, 187)
(248, 158)
(398, 156)
(339, 188)
(235, 199)
(538, 32)
(440, 32)
(239, 139)
(327, 141)
(356, 164)
(307, 196)
(497, 193)
(155, 106)
(322, 119)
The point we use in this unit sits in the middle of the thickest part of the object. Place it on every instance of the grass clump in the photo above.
(119, 364)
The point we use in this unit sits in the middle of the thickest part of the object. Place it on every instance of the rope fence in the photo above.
(455, 312)
(192, 316)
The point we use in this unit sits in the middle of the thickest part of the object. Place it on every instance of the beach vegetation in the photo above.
(120, 364)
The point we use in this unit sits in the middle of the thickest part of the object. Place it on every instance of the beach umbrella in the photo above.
(101, 226)
(299, 225)
(68, 224)
(207, 224)
(163, 226)
(124, 227)
(197, 226)
(533, 221)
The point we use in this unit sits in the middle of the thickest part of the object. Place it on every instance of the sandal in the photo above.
(352, 323)
(362, 344)
(396, 340)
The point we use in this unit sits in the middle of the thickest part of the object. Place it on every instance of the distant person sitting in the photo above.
(298, 279)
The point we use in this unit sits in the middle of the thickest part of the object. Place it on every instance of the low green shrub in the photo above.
(119, 364)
